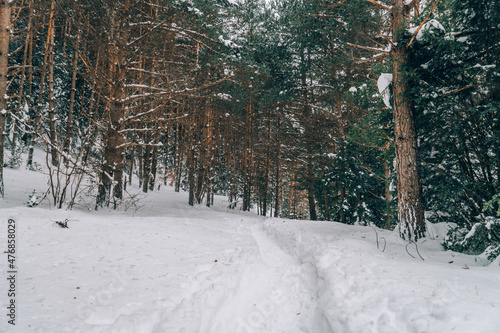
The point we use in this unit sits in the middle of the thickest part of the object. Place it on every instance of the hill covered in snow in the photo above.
(163, 266)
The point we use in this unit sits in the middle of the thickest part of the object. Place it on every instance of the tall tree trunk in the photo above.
(191, 175)
(5, 12)
(325, 195)
(146, 161)
(154, 163)
(411, 222)
(40, 102)
(388, 194)
(277, 190)
(179, 150)
(20, 97)
(113, 163)
(306, 114)
(247, 157)
(342, 166)
(69, 120)
(268, 165)
(140, 162)
(209, 149)
(29, 97)
(52, 104)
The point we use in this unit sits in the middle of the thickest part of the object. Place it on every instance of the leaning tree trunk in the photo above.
(5, 11)
(411, 222)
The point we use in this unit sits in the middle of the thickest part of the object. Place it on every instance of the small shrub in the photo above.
(483, 238)
(34, 200)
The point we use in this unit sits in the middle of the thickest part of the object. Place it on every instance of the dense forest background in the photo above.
(288, 107)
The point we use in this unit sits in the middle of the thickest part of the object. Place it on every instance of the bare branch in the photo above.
(373, 49)
(381, 5)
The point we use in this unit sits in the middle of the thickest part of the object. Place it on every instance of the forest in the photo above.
(371, 112)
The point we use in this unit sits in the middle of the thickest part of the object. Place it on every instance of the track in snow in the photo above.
(258, 288)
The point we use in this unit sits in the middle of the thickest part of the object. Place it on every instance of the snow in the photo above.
(427, 26)
(383, 83)
(163, 266)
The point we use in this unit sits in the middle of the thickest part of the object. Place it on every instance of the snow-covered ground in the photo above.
(169, 267)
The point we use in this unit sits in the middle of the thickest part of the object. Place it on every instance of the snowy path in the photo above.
(259, 288)
(173, 268)
(276, 292)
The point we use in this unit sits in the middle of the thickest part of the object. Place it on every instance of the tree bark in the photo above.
(52, 104)
(191, 176)
(146, 161)
(277, 205)
(306, 114)
(69, 120)
(21, 97)
(38, 113)
(247, 156)
(5, 12)
(411, 222)
(154, 163)
(113, 164)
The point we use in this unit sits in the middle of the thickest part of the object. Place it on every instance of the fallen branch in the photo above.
(416, 247)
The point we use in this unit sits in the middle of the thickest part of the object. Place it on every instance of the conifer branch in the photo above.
(421, 24)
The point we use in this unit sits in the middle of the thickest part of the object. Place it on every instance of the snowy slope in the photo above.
(168, 267)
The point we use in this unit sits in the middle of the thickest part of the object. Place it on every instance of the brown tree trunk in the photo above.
(268, 165)
(179, 150)
(140, 167)
(113, 164)
(69, 120)
(21, 97)
(40, 102)
(5, 12)
(277, 205)
(146, 161)
(247, 157)
(52, 104)
(154, 163)
(388, 194)
(325, 196)
(209, 149)
(411, 222)
(306, 114)
(191, 175)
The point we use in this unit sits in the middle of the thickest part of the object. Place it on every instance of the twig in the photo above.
(385, 242)
(373, 49)
(62, 224)
(416, 247)
(409, 252)
(376, 235)
(421, 24)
